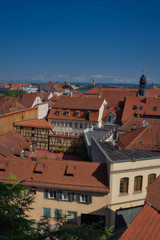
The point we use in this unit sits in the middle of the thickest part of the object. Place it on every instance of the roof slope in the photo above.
(146, 138)
(87, 176)
(153, 194)
(28, 99)
(36, 123)
(145, 226)
(12, 139)
(66, 102)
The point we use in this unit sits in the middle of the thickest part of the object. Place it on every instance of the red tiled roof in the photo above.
(135, 123)
(42, 123)
(10, 140)
(145, 226)
(153, 194)
(53, 115)
(88, 176)
(16, 86)
(28, 99)
(145, 138)
(10, 104)
(65, 102)
(146, 103)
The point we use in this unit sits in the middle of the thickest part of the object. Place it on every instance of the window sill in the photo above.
(137, 192)
(123, 194)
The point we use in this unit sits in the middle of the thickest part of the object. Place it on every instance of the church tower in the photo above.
(142, 85)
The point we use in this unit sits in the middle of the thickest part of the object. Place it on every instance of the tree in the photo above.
(15, 201)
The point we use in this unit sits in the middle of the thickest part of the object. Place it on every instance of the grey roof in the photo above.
(96, 133)
(127, 155)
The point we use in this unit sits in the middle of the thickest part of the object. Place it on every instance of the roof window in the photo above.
(141, 142)
(77, 114)
(134, 107)
(58, 113)
(39, 168)
(69, 171)
(154, 108)
(67, 113)
(140, 107)
(2, 167)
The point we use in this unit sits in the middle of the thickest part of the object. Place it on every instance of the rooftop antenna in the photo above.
(143, 71)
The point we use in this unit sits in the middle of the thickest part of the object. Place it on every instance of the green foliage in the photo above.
(15, 201)
(12, 93)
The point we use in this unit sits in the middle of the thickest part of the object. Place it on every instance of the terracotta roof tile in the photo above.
(28, 99)
(145, 226)
(10, 104)
(12, 140)
(153, 194)
(36, 123)
(87, 176)
(66, 102)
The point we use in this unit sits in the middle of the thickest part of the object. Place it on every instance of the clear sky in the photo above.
(78, 40)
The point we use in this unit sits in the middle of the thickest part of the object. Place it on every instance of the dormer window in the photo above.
(154, 108)
(87, 116)
(58, 113)
(77, 114)
(140, 107)
(134, 107)
(67, 113)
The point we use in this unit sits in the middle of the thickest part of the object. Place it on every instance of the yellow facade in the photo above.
(97, 207)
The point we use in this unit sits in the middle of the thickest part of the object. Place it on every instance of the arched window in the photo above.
(151, 178)
(124, 185)
(138, 183)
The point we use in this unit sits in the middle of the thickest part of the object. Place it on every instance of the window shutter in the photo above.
(89, 199)
(59, 195)
(46, 192)
(78, 197)
(72, 196)
(48, 212)
(44, 212)
(57, 213)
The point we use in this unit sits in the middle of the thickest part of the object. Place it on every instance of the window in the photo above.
(76, 125)
(87, 116)
(124, 185)
(109, 118)
(58, 140)
(54, 123)
(84, 198)
(141, 142)
(154, 108)
(33, 190)
(134, 107)
(46, 212)
(67, 113)
(50, 194)
(140, 107)
(70, 124)
(62, 124)
(58, 213)
(58, 113)
(76, 134)
(77, 114)
(86, 125)
(138, 183)
(66, 133)
(66, 124)
(81, 125)
(151, 178)
(66, 196)
(71, 216)
(58, 124)
(70, 133)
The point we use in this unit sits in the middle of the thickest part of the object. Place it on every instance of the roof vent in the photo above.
(70, 170)
(39, 168)
(2, 167)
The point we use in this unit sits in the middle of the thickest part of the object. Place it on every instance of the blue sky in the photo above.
(78, 40)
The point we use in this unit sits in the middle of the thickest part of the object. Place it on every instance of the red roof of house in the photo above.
(10, 140)
(10, 104)
(153, 194)
(36, 123)
(145, 138)
(136, 122)
(53, 115)
(65, 102)
(28, 99)
(16, 86)
(140, 105)
(145, 226)
(88, 176)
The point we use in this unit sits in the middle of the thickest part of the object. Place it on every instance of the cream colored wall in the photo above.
(98, 206)
(130, 170)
